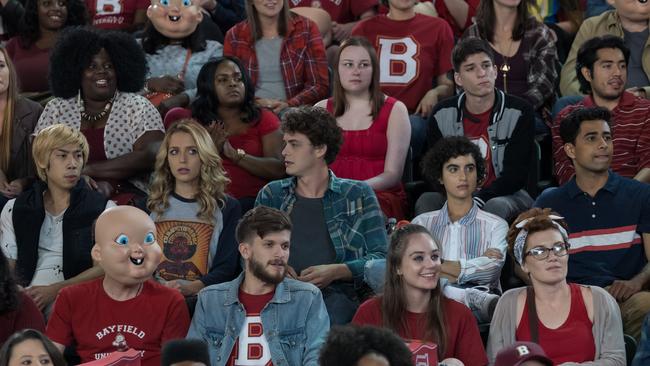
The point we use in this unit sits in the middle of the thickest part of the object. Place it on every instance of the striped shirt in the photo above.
(631, 137)
(354, 220)
(466, 240)
(605, 230)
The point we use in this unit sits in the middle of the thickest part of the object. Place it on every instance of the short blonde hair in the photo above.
(52, 138)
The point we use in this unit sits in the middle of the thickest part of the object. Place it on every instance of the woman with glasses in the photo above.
(573, 323)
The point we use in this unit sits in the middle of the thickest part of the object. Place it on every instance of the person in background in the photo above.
(364, 346)
(183, 351)
(30, 347)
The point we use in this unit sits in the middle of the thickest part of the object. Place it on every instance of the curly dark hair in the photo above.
(29, 29)
(318, 125)
(447, 148)
(346, 345)
(74, 52)
(204, 108)
(152, 40)
(570, 124)
(588, 55)
(8, 288)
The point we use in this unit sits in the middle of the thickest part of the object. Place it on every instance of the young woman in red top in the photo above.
(413, 305)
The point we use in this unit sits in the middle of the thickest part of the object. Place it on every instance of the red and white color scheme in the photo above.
(251, 347)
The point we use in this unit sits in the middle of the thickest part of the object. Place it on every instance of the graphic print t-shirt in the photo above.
(251, 347)
(475, 126)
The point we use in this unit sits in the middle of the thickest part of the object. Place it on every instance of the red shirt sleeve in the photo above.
(369, 313)
(28, 316)
(464, 339)
(142, 4)
(359, 7)
(269, 122)
(59, 327)
(446, 45)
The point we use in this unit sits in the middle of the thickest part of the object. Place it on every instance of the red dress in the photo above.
(573, 341)
(363, 156)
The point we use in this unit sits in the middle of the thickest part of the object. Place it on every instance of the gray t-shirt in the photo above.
(270, 83)
(311, 244)
(635, 41)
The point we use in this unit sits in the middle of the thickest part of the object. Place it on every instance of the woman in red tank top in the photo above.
(572, 323)
(376, 128)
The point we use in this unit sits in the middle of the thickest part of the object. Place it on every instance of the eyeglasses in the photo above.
(541, 253)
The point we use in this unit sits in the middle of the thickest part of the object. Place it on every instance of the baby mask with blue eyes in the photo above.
(175, 19)
(123, 239)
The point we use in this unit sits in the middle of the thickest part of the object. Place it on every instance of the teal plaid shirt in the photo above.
(354, 220)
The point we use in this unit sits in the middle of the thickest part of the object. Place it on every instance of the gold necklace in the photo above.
(505, 66)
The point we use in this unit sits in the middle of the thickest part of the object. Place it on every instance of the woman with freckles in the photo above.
(376, 127)
(574, 324)
(413, 305)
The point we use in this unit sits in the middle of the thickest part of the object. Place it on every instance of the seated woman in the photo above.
(176, 49)
(413, 305)
(30, 347)
(41, 25)
(194, 218)
(248, 137)
(95, 75)
(294, 71)
(19, 117)
(376, 128)
(17, 310)
(572, 323)
(525, 54)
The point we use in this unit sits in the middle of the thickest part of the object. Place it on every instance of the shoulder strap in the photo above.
(532, 314)
(188, 55)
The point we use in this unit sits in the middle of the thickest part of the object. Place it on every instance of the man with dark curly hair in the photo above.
(338, 224)
(473, 241)
(501, 125)
(364, 346)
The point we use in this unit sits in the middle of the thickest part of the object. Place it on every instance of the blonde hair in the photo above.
(6, 121)
(212, 178)
(52, 138)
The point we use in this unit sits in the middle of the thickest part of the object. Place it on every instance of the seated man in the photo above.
(262, 317)
(338, 224)
(603, 72)
(608, 217)
(473, 241)
(629, 20)
(46, 232)
(124, 309)
(414, 53)
(501, 126)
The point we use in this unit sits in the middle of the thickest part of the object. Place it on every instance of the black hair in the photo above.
(346, 345)
(588, 55)
(318, 125)
(447, 148)
(468, 47)
(204, 108)
(9, 299)
(152, 40)
(260, 221)
(180, 350)
(74, 52)
(570, 124)
(29, 28)
(26, 334)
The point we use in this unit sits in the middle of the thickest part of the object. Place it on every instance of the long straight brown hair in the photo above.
(393, 300)
(254, 20)
(339, 102)
(486, 20)
(8, 115)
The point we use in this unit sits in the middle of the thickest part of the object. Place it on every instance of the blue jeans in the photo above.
(341, 302)
(419, 132)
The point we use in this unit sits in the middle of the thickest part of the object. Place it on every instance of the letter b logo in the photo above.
(397, 63)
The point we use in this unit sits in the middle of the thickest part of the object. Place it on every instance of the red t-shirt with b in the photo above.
(114, 14)
(251, 347)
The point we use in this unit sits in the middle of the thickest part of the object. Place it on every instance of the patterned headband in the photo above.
(520, 240)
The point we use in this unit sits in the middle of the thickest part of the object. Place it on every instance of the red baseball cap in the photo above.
(519, 352)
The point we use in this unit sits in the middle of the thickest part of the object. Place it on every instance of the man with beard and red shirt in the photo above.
(262, 318)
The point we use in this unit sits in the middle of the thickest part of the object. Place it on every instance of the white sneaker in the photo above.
(481, 303)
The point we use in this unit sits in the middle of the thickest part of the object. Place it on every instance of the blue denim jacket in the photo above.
(295, 321)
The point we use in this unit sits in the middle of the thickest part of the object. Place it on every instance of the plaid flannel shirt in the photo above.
(302, 59)
(541, 58)
(352, 214)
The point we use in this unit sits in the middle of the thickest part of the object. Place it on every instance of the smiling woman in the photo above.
(94, 77)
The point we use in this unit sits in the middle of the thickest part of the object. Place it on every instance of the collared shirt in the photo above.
(295, 321)
(466, 240)
(630, 136)
(302, 59)
(604, 230)
(354, 220)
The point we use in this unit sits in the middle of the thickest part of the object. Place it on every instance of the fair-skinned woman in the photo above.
(413, 305)
(376, 128)
(30, 347)
(574, 324)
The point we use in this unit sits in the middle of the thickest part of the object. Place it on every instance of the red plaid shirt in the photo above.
(302, 59)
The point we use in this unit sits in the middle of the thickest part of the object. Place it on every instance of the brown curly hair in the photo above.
(540, 221)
